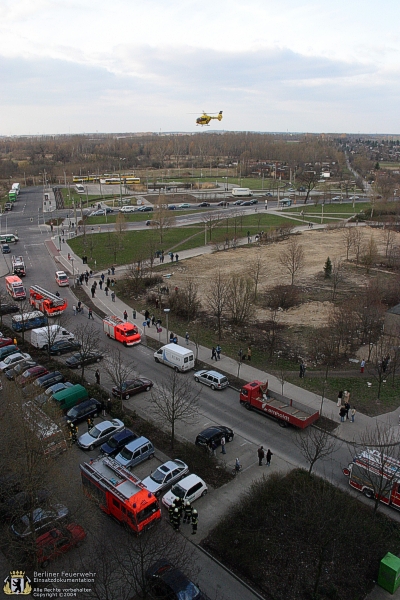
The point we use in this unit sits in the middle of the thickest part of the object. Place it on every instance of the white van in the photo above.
(128, 209)
(177, 357)
(43, 337)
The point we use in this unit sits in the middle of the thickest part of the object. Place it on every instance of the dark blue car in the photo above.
(116, 442)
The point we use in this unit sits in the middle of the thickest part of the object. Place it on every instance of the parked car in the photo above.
(42, 520)
(78, 359)
(131, 387)
(238, 203)
(7, 309)
(128, 209)
(55, 542)
(30, 375)
(166, 475)
(171, 207)
(135, 452)
(269, 194)
(7, 350)
(204, 204)
(6, 341)
(223, 203)
(184, 205)
(117, 441)
(63, 347)
(215, 380)
(254, 201)
(246, 203)
(214, 434)
(5, 249)
(99, 434)
(13, 359)
(335, 198)
(84, 410)
(189, 488)
(145, 209)
(48, 379)
(57, 387)
(19, 368)
(166, 581)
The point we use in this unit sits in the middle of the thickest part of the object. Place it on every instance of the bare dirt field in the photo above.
(317, 245)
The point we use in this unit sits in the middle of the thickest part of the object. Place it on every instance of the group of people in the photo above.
(216, 352)
(261, 455)
(242, 355)
(346, 412)
(179, 509)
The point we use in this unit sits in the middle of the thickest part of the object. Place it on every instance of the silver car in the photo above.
(165, 476)
(215, 380)
(99, 434)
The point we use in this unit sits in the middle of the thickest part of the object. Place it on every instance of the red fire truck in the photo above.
(48, 303)
(120, 494)
(122, 331)
(15, 287)
(255, 396)
(376, 475)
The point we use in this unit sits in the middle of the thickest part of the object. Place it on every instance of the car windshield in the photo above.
(158, 476)
(95, 432)
(190, 592)
(74, 413)
(126, 454)
(112, 442)
(178, 491)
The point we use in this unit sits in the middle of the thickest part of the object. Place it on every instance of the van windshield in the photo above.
(126, 454)
(130, 333)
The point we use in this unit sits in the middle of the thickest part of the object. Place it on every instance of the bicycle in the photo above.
(236, 469)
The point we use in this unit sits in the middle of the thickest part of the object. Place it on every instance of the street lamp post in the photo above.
(167, 310)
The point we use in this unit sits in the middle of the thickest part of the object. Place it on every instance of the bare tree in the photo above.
(309, 179)
(389, 236)
(315, 444)
(256, 271)
(211, 220)
(88, 338)
(348, 239)
(120, 224)
(217, 298)
(358, 243)
(369, 254)
(292, 258)
(272, 332)
(337, 276)
(163, 219)
(116, 369)
(240, 297)
(175, 401)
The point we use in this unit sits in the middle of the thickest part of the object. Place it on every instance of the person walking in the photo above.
(268, 457)
(213, 448)
(103, 408)
(249, 353)
(93, 290)
(97, 375)
(347, 408)
(113, 296)
(90, 314)
(260, 454)
(125, 315)
(223, 451)
(102, 276)
(106, 290)
(339, 398)
(213, 353)
(187, 338)
(362, 366)
(187, 512)
(176, 257)
(342, 413)
(195, 521)
(172, 256)
(353, 414)
(218, 350)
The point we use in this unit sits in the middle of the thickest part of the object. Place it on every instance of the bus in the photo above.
(85, 178)
(124, 179)
(8, 238)
(79, 188)
(15, 288)
(29, 320)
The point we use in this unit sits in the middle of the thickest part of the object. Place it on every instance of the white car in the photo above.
(336, 198)
(10, 361)
(62, 278)
(190, 488)
(128, 209)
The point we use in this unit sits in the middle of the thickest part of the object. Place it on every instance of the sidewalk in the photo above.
(225, 496)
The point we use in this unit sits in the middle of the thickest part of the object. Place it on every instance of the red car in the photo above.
(30, 375)
(131, 387)
(55, 542)
(6, 342)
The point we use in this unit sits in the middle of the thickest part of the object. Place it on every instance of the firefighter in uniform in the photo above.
(195, 520)
(179, 506)
(74, 434)
(187, 514)
(90, 423)
(171, 513)
(177, 519)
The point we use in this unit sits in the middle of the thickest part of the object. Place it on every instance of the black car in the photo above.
(7, 309)
(247, 203)
(64, 346)
(145, 209)
(115, 443)
(78, 359)
(166, 581)
(84, 410)
(49, 379)
(214, 434)
(204, 204)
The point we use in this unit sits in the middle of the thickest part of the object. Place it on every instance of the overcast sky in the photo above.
(80, 66)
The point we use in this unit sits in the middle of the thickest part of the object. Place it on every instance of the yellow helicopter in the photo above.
(205, 118)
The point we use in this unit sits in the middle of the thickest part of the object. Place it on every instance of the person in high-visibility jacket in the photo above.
(171, 512)
(179, 506)
(176, 519)
(187, 512)
(195, 520)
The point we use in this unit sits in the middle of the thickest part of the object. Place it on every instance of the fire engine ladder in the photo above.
(114, 320)
(109, 484)
(388, 464)
(120, 470)
(56, 300)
